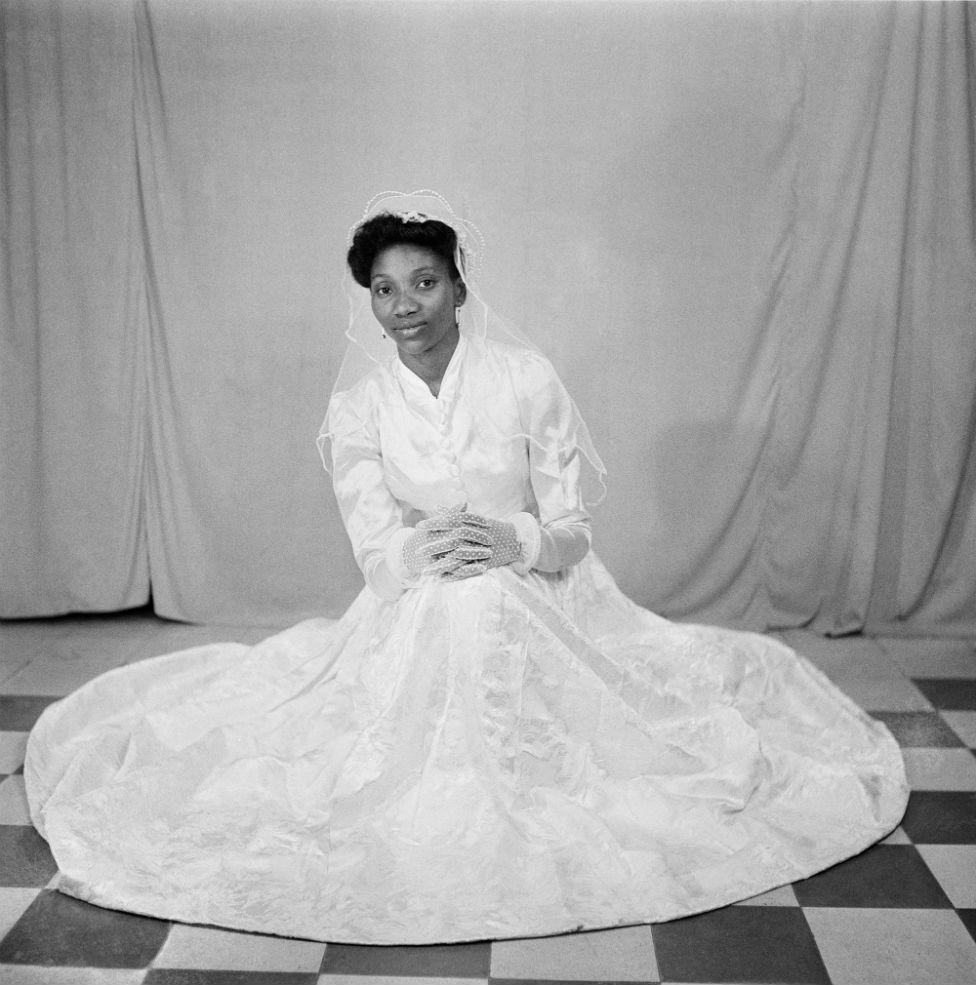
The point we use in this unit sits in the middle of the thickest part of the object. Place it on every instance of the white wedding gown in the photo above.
(502, 756)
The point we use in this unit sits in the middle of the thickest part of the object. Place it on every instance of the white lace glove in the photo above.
(485, 544)
(427, 551)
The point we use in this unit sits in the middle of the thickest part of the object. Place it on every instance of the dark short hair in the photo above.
(386, 229)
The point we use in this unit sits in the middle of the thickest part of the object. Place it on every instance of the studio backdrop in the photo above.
(744, 233)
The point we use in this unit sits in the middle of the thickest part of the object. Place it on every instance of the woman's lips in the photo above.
(410, 328)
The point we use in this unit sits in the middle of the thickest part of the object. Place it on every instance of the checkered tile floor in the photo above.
(903, 913)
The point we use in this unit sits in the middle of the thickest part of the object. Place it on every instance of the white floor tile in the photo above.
(13, 902)
(178, 636)
(37, 975)
(207, 948)
(940, 769)
(29, 636)
(893, 947)
(932, 658)
(883, 695)
(862, 670)
(625, 954)
(60, 675)
(10, 665)
(397, 980)
(13, 801)
(12, 746)
(963, 723)
(846, 656)
(112, 626)
(955, 868)
(897, 837)
(781, 896)
(103, 647)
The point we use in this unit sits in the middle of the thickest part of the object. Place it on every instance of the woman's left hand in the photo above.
(485, 543)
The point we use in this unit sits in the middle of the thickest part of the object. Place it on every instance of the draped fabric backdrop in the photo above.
(743, 232)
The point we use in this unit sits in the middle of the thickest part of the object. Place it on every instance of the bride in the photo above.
(493, 741)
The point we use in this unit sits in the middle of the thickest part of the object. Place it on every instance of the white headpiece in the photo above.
(367, 349)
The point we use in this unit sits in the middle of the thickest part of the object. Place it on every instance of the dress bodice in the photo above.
(436, 451)
(499, 437)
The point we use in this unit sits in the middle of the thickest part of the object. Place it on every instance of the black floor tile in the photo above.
(25, 859)
(58, 930)
(892, 876)
(433, 960)
(18, 712)
(181, 976)
(740, 944)
(968, 917)
(949, 694)
(941, 817)
(919, 729)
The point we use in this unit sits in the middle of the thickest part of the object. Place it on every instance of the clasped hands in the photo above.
(456, 544)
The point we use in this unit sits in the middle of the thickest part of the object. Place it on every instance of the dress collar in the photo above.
(413, 385)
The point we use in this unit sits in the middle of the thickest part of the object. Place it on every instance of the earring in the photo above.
(457, 316)
(383, 334)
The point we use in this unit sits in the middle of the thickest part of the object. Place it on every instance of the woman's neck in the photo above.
(431, 364)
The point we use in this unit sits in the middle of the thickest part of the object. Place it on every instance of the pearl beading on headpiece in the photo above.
(471, 242)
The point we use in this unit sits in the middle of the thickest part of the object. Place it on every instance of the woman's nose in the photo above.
(406, 304)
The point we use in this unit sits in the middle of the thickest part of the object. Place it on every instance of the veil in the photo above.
(367, 351)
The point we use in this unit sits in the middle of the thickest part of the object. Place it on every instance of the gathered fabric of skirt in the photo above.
(496, 757)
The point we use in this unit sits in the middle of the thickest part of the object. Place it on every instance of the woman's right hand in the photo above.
(461, 544)
(428, 549)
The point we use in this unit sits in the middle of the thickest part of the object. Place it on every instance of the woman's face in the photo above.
(414, 297)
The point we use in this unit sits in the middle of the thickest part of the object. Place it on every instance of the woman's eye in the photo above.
(427, 282)
(381, 292)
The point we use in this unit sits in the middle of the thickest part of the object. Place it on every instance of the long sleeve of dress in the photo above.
(554, 468)
(372, 516)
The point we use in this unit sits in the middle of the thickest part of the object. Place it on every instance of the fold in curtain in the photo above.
(870, 461)
(744, 232)
(72, 314)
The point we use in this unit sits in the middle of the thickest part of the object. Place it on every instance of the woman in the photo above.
(493, 741)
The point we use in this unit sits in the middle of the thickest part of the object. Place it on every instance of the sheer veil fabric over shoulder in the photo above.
(520, 753)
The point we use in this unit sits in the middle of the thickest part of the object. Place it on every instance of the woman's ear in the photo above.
(460, 292)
